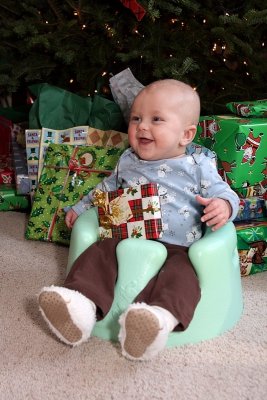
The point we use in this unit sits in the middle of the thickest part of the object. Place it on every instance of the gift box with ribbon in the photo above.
(69, 173)
(130, 212)
(38, 140)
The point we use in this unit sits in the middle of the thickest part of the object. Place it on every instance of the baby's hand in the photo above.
(70, 218)
(216, 211)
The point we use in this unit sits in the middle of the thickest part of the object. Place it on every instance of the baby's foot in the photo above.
(69, 314)
(144, 332)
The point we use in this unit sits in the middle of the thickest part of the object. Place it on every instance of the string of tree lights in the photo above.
(220, 49)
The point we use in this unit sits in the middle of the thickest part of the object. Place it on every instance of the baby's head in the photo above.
(163, 119)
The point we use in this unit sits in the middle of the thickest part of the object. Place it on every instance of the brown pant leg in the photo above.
(94, 274)
(175, 287)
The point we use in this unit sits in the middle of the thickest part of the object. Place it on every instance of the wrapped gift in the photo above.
(251, 208)
(109, 138)
(130, 212)
(7, 175)
(252, 245)
(240, 145)
(38, 140)
(69, 173)
(254, 108)
(5, 136)
(22, 180)
(11, 201)
(252, 191)
(32, 139)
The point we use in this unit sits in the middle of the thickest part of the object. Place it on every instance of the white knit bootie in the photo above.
(69, 314)
(144, 330)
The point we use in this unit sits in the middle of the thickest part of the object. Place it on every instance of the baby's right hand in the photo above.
(70, 218)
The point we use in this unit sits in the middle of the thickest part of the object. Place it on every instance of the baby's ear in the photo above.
(188, 135)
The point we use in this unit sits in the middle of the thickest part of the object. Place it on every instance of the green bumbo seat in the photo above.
(214, 257)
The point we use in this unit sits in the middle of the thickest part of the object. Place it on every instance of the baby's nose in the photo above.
(143, 126)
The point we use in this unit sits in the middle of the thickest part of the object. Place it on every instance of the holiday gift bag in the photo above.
(240, 145)
(110, 138)
(130, 212)
(68, 174)
(57, 108)
(32, 138)
(252, 245)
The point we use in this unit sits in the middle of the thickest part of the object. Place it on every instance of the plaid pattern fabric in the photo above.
(145, 221)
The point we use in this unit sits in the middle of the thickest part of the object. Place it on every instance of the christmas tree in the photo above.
(220, 48)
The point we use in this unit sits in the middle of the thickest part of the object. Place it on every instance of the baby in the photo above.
(163, 122)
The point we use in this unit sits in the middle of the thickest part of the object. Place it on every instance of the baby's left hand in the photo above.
(216, 211)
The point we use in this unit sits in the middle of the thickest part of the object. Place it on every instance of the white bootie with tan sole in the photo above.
(144, 330)
(69, 314)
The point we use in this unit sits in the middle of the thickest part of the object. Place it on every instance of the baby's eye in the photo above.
(135, 118)
(156, 119)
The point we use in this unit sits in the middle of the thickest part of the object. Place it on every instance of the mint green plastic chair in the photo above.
(215, 259)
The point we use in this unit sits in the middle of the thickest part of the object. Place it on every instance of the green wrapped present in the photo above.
(252, 246)
(69, 173)
(240, 145)
(255, 108)
(11, 201)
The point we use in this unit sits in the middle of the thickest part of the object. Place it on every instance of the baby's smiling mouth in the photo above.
(144, 140)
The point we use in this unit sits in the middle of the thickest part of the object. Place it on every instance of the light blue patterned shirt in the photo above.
(180, 180)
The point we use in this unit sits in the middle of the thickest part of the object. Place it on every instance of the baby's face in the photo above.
(156, 127)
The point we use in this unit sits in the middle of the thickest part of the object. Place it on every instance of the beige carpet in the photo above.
(35, 366)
